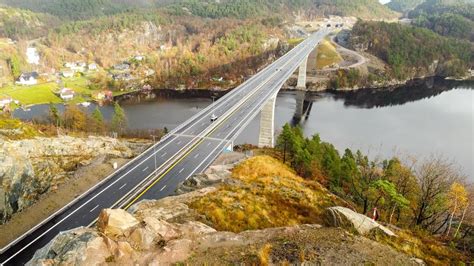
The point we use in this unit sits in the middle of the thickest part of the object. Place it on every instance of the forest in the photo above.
(406, 47)
(454, 19)
(426, 194)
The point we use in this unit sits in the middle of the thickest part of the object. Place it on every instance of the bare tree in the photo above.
(435, 176)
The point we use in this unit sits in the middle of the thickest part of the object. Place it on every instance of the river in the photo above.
(433, 117)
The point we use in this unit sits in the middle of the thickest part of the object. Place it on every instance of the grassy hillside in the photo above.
(268, 194)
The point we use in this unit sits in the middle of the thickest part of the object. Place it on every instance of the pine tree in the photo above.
(119, 120)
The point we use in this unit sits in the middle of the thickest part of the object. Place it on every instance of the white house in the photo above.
(67, 73)
(5, 100)
(139, 57)
(92, 67)
(66, 94)
(28, 79)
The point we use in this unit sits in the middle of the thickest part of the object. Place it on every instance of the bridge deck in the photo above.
(187, 150)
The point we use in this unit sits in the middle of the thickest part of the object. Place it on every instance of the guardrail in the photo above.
(164, 138)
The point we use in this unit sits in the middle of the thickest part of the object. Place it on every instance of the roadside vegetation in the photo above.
(327, 55)
(267, 194)
(428, 202)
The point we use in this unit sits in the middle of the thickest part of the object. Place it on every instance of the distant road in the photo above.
(188, 149)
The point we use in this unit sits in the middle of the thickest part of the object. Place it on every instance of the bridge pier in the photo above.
(299, 111)
(301, 84)
(267, 124)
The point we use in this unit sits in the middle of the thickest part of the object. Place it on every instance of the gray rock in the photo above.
(29, 168)
(347, 218)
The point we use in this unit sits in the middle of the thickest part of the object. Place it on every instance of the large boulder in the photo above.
(347, 218)
(116, 223)
(65, 247)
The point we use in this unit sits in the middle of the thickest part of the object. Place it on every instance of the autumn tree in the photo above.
(74, 118)
(435, 177)
(458, 202)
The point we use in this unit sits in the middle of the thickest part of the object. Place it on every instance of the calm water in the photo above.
(435, 117)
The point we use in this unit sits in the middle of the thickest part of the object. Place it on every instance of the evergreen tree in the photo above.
(119, 120)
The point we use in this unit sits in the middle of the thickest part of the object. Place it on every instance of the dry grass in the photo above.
(422, 246)
(327, 55)
(268, 194)
(15, 129)
(264, 255)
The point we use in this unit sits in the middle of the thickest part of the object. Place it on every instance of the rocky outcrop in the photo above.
(167, 231)
(349, 219)
(116, 222)
(32, 167)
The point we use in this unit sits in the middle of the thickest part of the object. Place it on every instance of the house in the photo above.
(92, 67)
(139, 57)
(122, 67)
(105, 95)
(27, 79)
(5, 100)
(122, 76)
(67, 73)
(66, 94)
(76, 66)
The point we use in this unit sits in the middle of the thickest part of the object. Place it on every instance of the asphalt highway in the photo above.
(186, 150)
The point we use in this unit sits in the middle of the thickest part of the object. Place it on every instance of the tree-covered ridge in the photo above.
(86, 9)
(403, 5)
(449, 18)
(22, 23)
(249, 8)
(406, 48)
(74, 9)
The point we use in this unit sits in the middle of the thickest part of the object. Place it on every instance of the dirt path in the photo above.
(360, 60)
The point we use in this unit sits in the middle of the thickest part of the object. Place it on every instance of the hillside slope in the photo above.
(403, 5)
(273, 213)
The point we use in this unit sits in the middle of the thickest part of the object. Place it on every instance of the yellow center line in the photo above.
(178, 161)
(196, 145)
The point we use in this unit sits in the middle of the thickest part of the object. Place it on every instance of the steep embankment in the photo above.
(32, 167)
(261, 200)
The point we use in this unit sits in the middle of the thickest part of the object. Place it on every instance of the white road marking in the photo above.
(208, 144)
(94, 196)
(146, 168)
(195, 156)
(163, 188)
(122, 186)
(94, 208)
(179, 142)
(163, 155)
(188, 177)
(180, 171)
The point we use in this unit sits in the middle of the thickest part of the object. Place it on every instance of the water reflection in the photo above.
(431, 117)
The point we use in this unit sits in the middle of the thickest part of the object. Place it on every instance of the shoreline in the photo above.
(208, 93)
